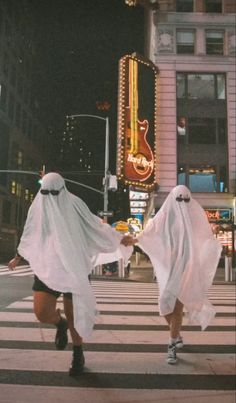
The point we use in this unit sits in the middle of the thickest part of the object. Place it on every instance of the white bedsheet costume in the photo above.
(61, 240)
(184, 254)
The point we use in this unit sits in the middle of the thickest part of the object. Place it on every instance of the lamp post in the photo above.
(106, 168)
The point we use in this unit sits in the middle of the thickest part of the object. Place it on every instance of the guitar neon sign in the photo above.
(136, 135)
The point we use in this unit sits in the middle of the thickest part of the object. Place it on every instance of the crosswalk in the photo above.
(20, 271)
(126, 357)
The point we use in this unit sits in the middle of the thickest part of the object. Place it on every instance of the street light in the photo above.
(106, 168)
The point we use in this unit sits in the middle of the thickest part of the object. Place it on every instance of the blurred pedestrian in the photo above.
(184, 255)
(61, 241)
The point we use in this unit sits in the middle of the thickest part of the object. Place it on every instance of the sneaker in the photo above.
(61, 338)
(171, 354)
(179, 342)
(77, 364)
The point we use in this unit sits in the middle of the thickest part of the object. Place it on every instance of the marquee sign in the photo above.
(136, 121)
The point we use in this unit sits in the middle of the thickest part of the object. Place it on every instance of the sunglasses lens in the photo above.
(44, 191)
(54, 192)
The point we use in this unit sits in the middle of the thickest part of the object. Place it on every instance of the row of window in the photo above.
(209, 6)
(202, 120)
(17, 190)
(186, 42)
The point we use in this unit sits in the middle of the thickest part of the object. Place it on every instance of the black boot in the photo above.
(77, 364)
(61, 338)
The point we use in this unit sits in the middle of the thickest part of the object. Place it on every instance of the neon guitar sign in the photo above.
(139, 159)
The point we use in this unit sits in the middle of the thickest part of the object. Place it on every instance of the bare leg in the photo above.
(45, 307)
(175, 320)
(68, 309)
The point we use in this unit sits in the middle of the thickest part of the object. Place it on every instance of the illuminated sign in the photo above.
(138, 203)
(136, 122)
(219, 215)
(134, 195)
(137, 210)
(136, 224)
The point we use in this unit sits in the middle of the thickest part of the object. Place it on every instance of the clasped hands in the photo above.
(128, 240)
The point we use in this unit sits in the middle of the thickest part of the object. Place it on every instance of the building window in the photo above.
(220, 85)
(181, 129)
(214, 43)
(18, 189)
(221, 131)
(184, 6)
(182, 175)
(27, 194)
(203, 178)
(13, 187)
(19, 159)
(201, 131)
(195, 130)
(213, 6)
(185, 41)
(200, 86)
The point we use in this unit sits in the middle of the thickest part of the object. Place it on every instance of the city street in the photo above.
(126, 357)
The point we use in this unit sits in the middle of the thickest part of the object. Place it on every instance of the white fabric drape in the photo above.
(61, 240)
(184, 254)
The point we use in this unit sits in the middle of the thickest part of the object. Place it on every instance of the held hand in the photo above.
(128, 240)
(14, 262)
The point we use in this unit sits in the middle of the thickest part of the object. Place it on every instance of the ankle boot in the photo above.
(77, 364)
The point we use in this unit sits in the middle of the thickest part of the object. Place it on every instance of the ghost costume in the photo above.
(62, 240)
(184, 254)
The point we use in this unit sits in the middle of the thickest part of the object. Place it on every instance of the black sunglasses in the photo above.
(180, 199)
(52, 192)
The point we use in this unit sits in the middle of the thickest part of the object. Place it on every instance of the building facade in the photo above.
(21, 135)
(193, 44)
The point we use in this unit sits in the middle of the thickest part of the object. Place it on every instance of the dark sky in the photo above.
(79, 44)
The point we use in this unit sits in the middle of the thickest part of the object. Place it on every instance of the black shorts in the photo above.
(38, 285)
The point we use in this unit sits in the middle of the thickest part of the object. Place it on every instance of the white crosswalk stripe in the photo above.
(20, 271)
(127, 351)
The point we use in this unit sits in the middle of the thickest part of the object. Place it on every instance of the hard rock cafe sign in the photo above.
(136, 122)
(215, 215)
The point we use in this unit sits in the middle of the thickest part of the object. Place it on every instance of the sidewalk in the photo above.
(143, 271)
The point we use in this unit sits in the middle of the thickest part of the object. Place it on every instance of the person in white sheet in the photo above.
(184, 253)
(62, 241)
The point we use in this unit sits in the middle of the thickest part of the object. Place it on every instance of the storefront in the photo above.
(222, 223)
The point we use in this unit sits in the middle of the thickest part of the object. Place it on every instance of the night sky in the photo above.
(79, 43)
